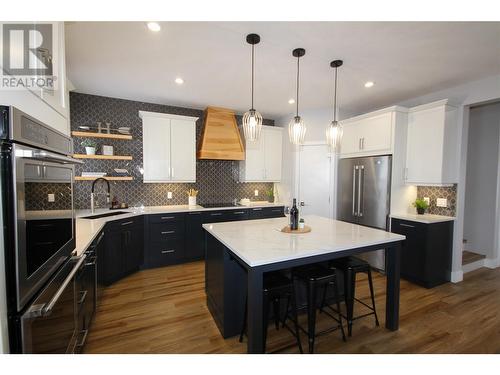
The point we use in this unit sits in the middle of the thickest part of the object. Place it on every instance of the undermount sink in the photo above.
(105, 215)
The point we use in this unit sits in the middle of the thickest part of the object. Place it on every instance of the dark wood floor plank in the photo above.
(163, 310)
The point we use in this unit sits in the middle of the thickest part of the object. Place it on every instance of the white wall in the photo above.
(481, 180)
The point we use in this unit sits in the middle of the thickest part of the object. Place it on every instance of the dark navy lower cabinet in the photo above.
(426, 253)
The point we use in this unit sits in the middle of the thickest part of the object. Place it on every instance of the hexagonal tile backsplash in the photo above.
(216, 180)
(434, 192)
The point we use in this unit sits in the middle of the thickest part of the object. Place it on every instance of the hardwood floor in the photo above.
(470, 257)
(163, 311)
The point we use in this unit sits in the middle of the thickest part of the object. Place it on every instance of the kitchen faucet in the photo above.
(92, 195)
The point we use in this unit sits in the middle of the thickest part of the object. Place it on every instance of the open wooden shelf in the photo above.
(103, 157)
(100, 135)
(127, 178)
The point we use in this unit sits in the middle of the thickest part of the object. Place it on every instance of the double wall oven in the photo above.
(37, 175)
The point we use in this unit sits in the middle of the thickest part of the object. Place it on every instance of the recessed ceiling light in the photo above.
(179, 81)
(291, 101)
(154, 26)
(369, 84)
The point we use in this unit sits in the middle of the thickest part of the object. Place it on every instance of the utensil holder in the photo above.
(192, 201)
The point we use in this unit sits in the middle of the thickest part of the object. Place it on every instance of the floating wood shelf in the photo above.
(103, 157)
(127, 178)
(101, 135)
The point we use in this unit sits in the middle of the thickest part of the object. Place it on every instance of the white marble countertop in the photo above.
(88, 229)
(260, 242)
(425, 218)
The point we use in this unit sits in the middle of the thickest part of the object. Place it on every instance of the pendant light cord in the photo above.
(252, 70)
(335, 97)
(298, 67)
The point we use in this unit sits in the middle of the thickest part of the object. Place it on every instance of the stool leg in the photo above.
(265, 319)
(295, 318)
(336, 294)
(276, 310)
(245, 317)
(323, 299)
(350, 285)
(285, 315)
(370, 282)
(311, 314)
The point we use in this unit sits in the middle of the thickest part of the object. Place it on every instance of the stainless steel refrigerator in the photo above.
(363, 196)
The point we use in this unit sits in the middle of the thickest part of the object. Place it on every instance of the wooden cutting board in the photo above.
(287, 229)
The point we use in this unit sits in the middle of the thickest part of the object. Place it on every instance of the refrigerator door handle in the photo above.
(354, 190)
(360, 188)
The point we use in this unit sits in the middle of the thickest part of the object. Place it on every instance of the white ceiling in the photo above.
(405, 59)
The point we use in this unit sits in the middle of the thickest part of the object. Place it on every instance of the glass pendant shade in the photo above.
(297, 130)
(334, 136)
(252, 125)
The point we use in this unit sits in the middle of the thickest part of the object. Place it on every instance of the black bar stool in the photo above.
(351, 266)
(276, 287)
(316, 277)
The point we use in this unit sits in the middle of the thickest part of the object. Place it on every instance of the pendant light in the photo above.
(334, 130)
(296, 127)
(252, 120)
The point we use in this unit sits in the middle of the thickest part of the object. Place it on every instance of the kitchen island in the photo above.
(239, 253)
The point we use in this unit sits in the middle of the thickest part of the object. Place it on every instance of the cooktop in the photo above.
(215, 205)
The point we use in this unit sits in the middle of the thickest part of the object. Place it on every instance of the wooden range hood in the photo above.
(220, 139)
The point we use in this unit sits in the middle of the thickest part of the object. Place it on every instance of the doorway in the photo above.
(482, 188)
(315, 183)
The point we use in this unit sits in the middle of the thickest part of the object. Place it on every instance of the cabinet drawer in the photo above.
(163, 254)
(160, 232)
(216, 216)
(270, 212)
(166, 218)
(125, 223)
(235, 215)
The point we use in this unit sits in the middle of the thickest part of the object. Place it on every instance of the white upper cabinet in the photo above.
(169, 147)
(263, 157)
(432, 157)
(370, 134)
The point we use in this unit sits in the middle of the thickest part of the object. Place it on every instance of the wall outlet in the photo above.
(442, 202)
(427, 200)
(256, 193)
(169, 195)
(51, 197)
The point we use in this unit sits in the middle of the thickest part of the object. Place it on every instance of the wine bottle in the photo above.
(294, 216)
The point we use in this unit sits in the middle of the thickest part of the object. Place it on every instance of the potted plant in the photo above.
(90, 146)
(420, 205)
(270, 195)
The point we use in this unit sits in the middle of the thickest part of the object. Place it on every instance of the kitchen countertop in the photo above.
(425, 218)
(260, 242)
(88, 229)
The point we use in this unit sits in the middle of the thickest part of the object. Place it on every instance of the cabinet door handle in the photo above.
(83, 297)
(276, 210)
(256, 209)
(194, 213)
(167, 251)
(84, 338)
(167, 217)
(406, 225)
(362, 143)
(239, 212)
(216, 214)
(127, 223)
(168, 232)
(99, 239)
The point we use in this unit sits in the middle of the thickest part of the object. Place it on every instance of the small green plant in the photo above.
(420, 203)
(270, 193)
(89, 143)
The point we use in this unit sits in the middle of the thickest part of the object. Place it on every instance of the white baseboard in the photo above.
(473, 266)
(457, 276)
(492, 262)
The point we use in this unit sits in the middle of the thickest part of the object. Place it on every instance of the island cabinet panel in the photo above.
(225, 286)
(124, 248)
(426, 252)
